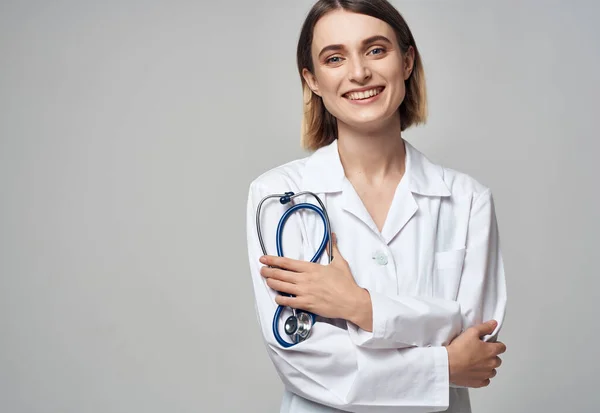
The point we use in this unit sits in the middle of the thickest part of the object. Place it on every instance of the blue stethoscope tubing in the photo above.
(322, 212)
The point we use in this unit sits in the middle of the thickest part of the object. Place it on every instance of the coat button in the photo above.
(380, 257)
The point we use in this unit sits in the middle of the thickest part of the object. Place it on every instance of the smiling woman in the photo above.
(392, 53)
(409, 309)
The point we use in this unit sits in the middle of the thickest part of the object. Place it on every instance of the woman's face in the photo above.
(359, 69)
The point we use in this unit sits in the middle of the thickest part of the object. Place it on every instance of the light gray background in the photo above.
(130, 130)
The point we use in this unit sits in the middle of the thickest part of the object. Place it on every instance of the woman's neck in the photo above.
(372, 157)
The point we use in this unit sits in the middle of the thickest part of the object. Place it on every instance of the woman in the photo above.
(417, 278)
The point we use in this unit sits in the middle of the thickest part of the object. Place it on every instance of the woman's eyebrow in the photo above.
(368, 40)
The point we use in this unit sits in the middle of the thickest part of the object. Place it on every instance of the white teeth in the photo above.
(364, 95)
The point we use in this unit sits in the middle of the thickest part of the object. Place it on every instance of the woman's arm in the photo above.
(401, 321)
(328, 367)
(331, 292)
(482, 289)
(405, 321)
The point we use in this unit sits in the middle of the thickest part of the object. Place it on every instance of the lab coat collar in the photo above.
(324, 172)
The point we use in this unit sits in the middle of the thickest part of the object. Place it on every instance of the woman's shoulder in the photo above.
(463, 185)
(460, 184)
(282, 178)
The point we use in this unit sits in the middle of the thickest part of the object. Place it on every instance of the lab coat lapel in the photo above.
(352, 203)
(324, 174)
(402, 209)
(421, 177)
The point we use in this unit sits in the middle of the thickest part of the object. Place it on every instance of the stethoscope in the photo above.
(299, 325)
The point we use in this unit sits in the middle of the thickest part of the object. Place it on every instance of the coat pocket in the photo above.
(448, 267)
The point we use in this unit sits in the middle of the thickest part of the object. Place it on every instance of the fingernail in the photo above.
(263, 259)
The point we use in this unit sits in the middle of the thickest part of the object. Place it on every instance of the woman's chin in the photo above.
(370, 122)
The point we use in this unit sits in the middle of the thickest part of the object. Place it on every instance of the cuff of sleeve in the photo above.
(375, 338)
(443, 373)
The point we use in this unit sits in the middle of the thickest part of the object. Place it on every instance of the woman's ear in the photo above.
(311, 81)
(409, 61)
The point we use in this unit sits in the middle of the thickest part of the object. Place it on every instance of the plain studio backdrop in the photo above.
(130, 131)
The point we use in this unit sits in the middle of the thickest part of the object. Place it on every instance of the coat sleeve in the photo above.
(482, 289)
(328, 368)
(403, 321)
(406, 321)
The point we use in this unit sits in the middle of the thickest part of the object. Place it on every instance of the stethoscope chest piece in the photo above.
(298, 326)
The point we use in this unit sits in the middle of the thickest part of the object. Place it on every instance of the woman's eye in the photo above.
(334, 59)
(377, 50)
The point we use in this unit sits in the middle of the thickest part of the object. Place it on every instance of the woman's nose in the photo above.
(359, 71)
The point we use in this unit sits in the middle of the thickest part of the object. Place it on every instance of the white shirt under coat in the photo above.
(434, 270)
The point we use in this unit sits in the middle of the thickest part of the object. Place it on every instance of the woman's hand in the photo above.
(473, 362)
(327, 290)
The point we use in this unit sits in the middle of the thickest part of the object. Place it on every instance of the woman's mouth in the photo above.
(365, 96)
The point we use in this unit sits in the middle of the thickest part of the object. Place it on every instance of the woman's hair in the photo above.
(319, 127)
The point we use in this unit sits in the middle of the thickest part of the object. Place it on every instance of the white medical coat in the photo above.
(434, 270)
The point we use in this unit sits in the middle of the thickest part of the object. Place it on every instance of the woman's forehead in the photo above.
(349, 29)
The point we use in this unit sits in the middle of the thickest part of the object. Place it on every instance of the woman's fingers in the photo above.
(282, 286)
(292, 302)
(279, 274)
(499, 347)
(287, 263)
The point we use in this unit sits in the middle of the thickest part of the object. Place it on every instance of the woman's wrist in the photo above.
(362, 315)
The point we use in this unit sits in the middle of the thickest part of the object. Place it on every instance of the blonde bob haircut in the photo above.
(319, 127)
